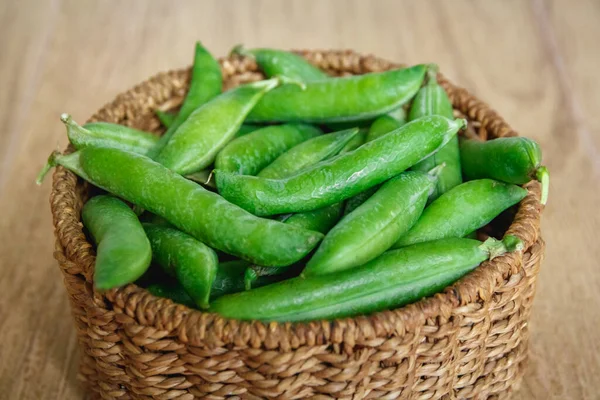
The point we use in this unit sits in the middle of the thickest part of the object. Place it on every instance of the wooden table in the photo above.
(534, 61)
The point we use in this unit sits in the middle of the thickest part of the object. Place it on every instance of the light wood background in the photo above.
(534, 61)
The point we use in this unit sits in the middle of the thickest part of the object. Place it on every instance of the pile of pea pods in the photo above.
(298, 197)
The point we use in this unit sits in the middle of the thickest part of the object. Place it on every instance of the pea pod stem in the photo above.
(543, 176)
(69, 161)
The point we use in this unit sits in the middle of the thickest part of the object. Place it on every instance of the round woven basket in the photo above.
(468, 342)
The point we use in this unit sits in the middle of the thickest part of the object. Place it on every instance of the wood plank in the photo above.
(74, 56)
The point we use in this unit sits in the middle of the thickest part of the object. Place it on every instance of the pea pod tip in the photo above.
(51, 163)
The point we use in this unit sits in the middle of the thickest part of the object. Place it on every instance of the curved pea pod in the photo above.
(230, 278)
(307, 154)
(351, 98)
(206, 84)
(203, 214)
(343, 176)
(320, 220)
(166, 118)
(512, 160)
(282, 63)
(193, 263)
(196, 142)
(105, 134)
(358, 140)
(391, 280)
(383, 125)
(433, 100)
(250, 153)
(374, 226)
(354, 202)
(173, 291)
(463, 209)
(123, 251)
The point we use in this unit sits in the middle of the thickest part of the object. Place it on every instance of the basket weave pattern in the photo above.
(468, 342)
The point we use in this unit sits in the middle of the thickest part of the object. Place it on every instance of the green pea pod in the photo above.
(230, 278)
(391, 280)
(343, 176)
(514, 160)
(166, 118)
(399, 114)
(123, 252)
(433, 100)
(251, 153)
(349, 98)
(340, 126)
(471, 235)
(203, 214)
(257, 276)
(381, 126)
(283, 63)
(355, 142)
(171, 290)
(374, 226)
(245, 129)
(353, 202)
(206, 84)
(207, 130)
(320, 220)
(203, 177)
(193, 263)
(105, 134)
(462, 209)
(307, 154)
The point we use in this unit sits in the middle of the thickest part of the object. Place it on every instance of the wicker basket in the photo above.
(468, 342)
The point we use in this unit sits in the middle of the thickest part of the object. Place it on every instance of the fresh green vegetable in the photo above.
(166, 118)
(433, 100)
(353, 202)
(343, 176)
(193, 263)
(320, 220)
(374, 226)
(383, 125)
(105, 134)
(249, 154)
(391, 280)
(192, 209)
(349, 98)
(462, 209)
(206, 84)
(171, 290)
(307, 154)
(283, 63)
(196, 142)
(355, 142)
(123, 252)
(512, 160)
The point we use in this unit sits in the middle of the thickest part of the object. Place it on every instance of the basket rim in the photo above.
(208, 329)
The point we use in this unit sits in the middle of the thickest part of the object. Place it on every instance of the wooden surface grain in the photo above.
(535, 61)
